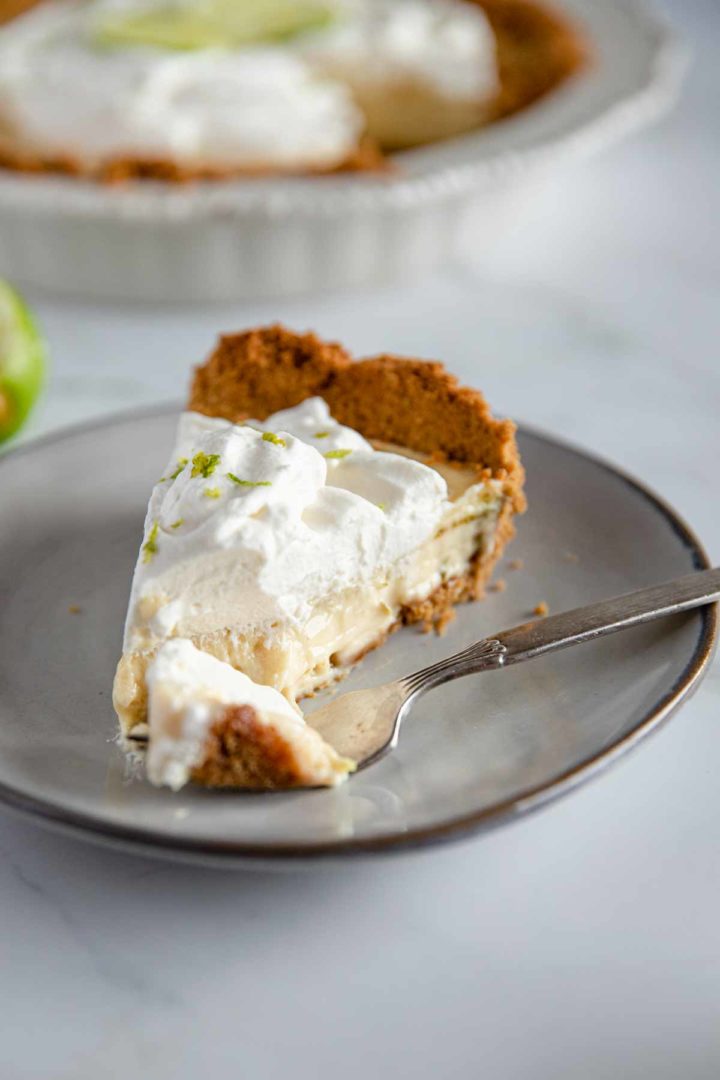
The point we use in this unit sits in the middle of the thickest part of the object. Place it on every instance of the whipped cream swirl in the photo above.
(251, 524)
(62, 94)
(445, 44)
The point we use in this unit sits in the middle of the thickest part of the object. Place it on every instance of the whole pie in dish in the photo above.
(184, 89)
(311, 506)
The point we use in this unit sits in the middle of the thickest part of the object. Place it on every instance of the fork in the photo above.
(364, 725)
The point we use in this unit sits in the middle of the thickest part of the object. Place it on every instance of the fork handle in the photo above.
(608, 616)
(546, 635)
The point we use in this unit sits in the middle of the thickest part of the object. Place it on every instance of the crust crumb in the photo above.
(541, 609)
(571, 557)
(74, 609)
(442, 623)
(498, 586)
(515, 564)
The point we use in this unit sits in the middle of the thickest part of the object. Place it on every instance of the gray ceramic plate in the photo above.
(473, 753)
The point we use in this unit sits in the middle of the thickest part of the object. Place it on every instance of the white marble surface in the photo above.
(583, 942)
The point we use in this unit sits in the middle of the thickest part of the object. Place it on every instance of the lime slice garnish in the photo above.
(22, 361)
(214, 23)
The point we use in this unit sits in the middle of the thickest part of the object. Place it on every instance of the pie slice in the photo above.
(311, 506)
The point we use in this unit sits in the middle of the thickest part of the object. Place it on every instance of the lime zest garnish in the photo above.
(177, 524)
(270, 436)
(212, 493)
(182, 462)
(248, 483)
(204, 464)
(337, 455)
(150, 546)
(321, 435)
(382, 506)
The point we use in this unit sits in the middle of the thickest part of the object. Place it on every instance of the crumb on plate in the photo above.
(443, 620)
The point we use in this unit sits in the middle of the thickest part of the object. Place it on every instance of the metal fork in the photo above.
(364, 725)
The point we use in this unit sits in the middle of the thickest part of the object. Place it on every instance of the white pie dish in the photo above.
(276, 236)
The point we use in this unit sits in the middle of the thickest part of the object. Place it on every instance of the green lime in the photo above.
(22, 361)
(215, 23)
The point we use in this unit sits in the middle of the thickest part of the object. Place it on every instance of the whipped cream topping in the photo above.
(251, 524)
(188, 691)
(446, 44)
(276, 106)
(245, 108)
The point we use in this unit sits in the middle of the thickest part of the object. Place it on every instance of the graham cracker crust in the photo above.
(10, 9)
(242, 752)
(416, 404)
(538, 49)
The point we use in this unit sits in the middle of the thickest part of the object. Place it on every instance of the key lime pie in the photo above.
(182, 89)
(312, 505)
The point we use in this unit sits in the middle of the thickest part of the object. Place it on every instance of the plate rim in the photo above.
(231, 854)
